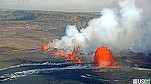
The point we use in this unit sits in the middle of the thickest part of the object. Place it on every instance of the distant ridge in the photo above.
(11, 14)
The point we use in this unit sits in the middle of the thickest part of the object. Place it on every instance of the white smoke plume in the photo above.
(121, 28)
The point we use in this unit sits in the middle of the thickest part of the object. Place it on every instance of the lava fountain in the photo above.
(104, 58)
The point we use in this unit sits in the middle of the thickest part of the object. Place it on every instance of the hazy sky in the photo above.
(62, 5)
(70, 5)
(65, 5)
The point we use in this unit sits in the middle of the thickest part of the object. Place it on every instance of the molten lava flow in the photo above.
(72, 57)
(77, 60)
(61, 53)
(45, 48)
(104, 58)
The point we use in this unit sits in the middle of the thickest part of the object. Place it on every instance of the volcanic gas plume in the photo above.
(118, 28)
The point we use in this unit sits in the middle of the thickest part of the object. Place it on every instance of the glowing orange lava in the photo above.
(61, 53)
(70, 58)
(104, 58)
(77, 60)
(74, 58)
(44, 47)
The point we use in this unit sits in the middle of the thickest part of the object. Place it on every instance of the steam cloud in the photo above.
(121, 28)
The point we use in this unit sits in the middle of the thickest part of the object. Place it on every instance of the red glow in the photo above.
(61, 53)
(70, 58)
(45, 48)
(104, 58)
(77, 60)
(74, 58)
